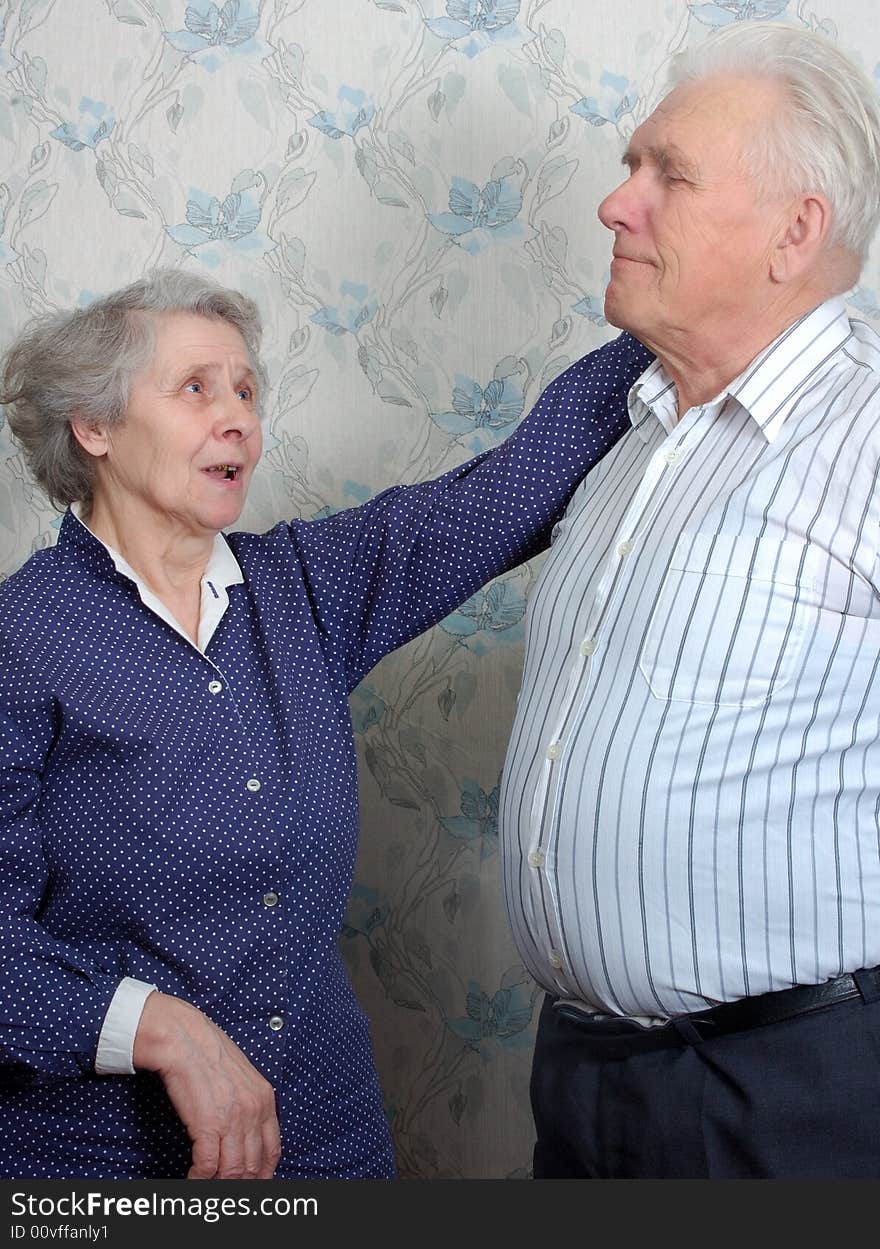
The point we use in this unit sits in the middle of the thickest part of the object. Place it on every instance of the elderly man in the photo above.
(691, 790)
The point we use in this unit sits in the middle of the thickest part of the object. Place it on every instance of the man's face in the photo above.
(692, 237)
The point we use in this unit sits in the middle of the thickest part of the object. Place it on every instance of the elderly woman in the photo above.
(178, 810)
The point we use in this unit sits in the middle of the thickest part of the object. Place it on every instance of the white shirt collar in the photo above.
(768, 387)
(222, 571)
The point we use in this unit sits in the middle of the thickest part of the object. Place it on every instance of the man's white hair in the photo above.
(826, 137)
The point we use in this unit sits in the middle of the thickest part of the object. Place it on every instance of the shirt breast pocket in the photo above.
(730, 620)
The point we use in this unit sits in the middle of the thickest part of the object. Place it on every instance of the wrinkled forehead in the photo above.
(713, 118)
(183, 331)
(181, 339)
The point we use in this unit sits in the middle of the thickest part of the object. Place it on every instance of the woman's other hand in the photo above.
(226, 1106)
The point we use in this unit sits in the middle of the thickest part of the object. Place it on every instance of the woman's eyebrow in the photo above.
(197, 365)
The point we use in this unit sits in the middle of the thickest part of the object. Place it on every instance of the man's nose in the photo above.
(618, 209)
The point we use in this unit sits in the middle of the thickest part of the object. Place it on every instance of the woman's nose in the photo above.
(238, 419)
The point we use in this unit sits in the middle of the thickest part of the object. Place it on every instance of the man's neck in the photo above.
(702, 364)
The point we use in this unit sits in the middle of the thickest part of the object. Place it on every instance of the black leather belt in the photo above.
(739, 1016)
(766, 1008)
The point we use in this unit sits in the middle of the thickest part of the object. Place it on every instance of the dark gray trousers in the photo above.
(794, 1099)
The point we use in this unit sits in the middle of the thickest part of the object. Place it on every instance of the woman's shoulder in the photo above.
(34, 579)
(27, 612)
(42, 601)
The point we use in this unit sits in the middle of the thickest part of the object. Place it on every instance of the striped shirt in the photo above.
(690, 800)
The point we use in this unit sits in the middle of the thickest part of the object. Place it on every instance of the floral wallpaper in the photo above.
(408, 189)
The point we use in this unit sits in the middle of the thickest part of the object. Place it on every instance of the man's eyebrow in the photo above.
(667, 157)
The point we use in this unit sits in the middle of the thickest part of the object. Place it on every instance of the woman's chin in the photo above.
(221, 514)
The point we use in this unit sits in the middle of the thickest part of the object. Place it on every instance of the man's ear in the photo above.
(90, 436)
(803, 234)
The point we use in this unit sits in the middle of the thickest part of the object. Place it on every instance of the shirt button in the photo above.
(671, 457)
(270, 899)
(214, 687)
(276, 1023)
(554, 750)
(555, 959)
(588, 646)
(625, 548)
(253, 784)
(536, 858)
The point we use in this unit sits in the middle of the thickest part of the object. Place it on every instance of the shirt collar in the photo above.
(768, 387)
(652, 395)
(221, 572)
(222, 568)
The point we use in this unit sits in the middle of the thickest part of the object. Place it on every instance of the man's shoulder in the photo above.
(863, 345)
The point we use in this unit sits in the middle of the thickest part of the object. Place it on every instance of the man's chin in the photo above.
(621, 317)
(615, 313)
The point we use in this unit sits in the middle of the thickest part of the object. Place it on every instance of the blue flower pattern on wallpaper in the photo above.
(472, 26)
(366, 707)
(479, 814)
(212, 34)
(353, 111)
(485, 414)
(214, 226)
(617, 97)
(491, 610)
(722, 14)
(591, 308)
(480, 216)
(502, 1018)
(366, 911)
(96, 122)
(866, 300)
(355, 310)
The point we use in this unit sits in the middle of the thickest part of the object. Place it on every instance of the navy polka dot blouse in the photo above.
(203, 839)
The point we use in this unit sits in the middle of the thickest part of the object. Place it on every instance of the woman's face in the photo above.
(184, 454)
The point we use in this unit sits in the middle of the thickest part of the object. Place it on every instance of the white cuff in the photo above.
(116, 1042)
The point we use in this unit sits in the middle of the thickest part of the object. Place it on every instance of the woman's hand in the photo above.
(226, 1106)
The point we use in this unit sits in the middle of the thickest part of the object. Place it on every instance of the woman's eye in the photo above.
(245, 393)
(195, 388)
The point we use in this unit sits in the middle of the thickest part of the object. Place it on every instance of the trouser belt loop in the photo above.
(686, 1031)
(868, 984)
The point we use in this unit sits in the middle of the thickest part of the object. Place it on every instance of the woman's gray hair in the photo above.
(80, 364)
(826, 138)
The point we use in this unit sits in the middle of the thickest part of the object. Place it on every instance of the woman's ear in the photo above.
(90, 436)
